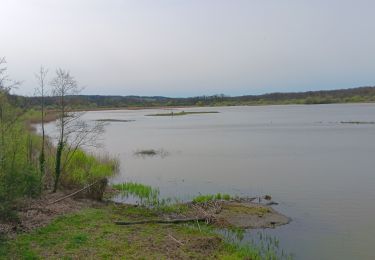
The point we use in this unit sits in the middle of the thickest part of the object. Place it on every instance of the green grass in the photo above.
(184, 113)
(91, 234)
(210, 197)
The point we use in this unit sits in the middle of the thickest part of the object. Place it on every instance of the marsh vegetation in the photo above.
(151, 153)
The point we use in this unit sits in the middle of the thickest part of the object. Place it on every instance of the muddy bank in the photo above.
(34, 213)
(250, 215)
(232, 214)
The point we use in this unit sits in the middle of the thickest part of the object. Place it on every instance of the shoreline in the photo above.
(52, 115)
(86, 228)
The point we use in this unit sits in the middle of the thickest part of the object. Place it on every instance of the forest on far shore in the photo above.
(353, 95)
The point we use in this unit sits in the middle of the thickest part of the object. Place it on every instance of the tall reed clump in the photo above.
(148, 195)
(84, 169)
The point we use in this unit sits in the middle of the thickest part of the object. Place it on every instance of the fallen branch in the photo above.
(76, 192)
(175, 240)
(160, 221)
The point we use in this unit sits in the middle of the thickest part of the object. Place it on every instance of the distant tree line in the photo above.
(353, 95)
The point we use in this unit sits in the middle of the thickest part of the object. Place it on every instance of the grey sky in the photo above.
(192, 47)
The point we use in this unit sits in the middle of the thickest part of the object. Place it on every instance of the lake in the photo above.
(319, 170)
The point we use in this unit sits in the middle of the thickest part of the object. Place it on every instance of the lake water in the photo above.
(322, 172)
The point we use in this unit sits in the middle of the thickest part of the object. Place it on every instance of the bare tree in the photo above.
(74, 133)
(41, 92)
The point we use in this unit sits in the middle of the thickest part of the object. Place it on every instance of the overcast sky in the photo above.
(192, 47)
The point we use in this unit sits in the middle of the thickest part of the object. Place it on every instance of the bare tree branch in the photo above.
(74, 133)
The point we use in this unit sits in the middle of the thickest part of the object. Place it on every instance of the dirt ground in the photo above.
(34, 213)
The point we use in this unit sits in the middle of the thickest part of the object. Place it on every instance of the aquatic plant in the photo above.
(148, 195)
(151, 152)
(210, 197)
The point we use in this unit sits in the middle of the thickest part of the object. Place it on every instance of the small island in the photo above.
(114, 120)
(184, 113)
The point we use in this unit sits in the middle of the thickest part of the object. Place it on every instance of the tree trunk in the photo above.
(59, 151)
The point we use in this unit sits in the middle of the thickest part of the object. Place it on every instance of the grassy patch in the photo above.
(91, 234)
(184, 113)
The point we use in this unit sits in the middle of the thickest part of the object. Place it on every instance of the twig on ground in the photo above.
(76, 192)
(175, 240)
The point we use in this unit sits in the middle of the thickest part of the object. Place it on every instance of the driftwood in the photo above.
(160, 221)
(76, 192)
(205, 212)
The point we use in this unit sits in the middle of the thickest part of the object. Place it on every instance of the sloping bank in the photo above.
(91, 233)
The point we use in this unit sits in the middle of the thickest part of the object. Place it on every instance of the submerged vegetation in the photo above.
(151, 152)
(184, 113)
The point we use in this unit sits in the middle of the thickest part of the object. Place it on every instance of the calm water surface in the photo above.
(319, 170)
